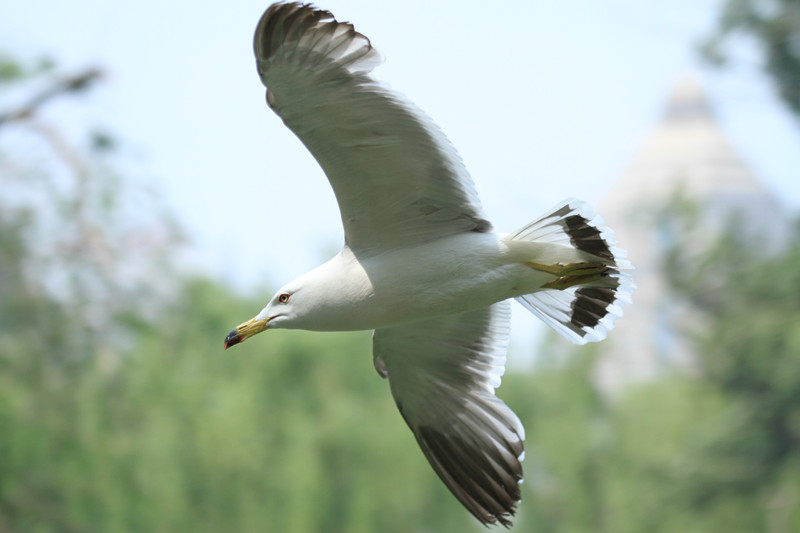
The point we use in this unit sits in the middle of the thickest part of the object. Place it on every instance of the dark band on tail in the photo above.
(584, 236)
(591, 304)
(583, 311)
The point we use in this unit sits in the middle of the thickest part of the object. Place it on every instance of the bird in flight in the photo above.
(422, 265)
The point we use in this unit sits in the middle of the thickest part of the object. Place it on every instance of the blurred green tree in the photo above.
(715, 450)
(775, 26)
(749, 354)
(119, 411)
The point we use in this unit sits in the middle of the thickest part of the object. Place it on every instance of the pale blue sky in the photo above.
(544, 100)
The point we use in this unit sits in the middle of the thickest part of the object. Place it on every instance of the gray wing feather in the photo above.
(442, 374)
(397, 179)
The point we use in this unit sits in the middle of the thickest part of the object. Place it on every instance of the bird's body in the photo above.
(466, 271)
(421, 264)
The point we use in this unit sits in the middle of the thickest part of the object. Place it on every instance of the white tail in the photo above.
(585, 312)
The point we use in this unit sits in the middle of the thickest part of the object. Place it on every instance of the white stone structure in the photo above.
(685, 154)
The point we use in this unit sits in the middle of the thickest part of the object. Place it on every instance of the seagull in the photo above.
(421, 264)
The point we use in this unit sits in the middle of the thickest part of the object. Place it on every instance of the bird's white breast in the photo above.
(451, 275)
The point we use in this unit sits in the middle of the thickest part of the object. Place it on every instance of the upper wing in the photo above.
(397, 179)
(443, 373)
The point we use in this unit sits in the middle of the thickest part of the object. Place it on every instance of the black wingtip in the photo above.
(491, 495)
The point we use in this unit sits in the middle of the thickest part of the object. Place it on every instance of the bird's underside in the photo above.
(401, 188)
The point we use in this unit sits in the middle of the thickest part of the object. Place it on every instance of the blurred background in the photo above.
(150, 201)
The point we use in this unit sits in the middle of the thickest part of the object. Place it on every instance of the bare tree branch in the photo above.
(72, 84)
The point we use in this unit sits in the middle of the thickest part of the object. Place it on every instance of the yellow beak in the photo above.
(242, 332)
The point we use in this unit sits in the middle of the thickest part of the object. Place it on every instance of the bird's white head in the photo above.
(314, 301)
(279, 313)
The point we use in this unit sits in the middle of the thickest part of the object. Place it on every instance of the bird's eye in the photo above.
(283, 298)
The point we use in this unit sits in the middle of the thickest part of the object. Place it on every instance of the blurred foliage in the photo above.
(119, 410)
(718, 450)
(11, 70)
(750, 346)
(775, 25)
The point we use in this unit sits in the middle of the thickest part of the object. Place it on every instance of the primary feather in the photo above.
(397, 179)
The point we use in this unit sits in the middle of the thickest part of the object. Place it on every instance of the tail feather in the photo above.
(574, 223)
(582, 313)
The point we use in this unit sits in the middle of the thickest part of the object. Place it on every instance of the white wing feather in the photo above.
(443, 373)
(397, 179)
